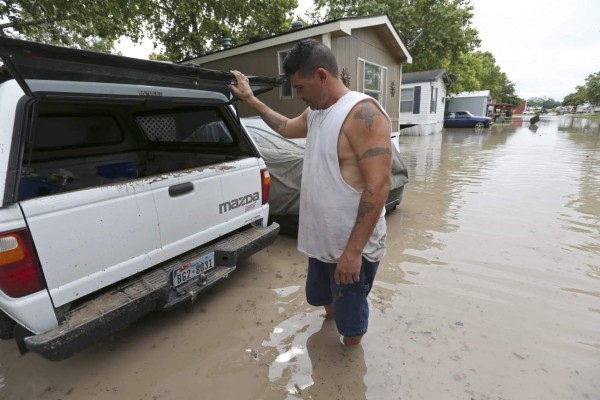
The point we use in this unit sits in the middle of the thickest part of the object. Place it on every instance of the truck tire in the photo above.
(7, 326)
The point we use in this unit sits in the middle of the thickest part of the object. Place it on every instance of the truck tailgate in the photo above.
(92, 238)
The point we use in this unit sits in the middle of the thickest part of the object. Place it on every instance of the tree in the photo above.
(507, 92)
(592, 88)
(188, 28)
(543, 102)
(575, 98)
(590, 92)
(478, 70)
(87, 24)
(439, 34)
(436, 31)
(185, 28)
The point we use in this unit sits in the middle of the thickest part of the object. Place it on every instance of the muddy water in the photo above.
(490, 290)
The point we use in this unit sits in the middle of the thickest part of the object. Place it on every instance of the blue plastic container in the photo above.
(117, 170)
(36, 186)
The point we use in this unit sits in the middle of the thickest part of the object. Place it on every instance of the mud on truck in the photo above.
(127, 186)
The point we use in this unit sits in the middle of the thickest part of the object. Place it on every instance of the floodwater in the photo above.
(490, 290)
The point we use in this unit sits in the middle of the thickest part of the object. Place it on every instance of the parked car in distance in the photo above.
(284, 159)
(464, 119)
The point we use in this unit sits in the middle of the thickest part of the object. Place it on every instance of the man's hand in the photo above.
(242, 90)
(347, 270)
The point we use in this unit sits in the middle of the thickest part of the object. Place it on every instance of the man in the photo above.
(345, 182)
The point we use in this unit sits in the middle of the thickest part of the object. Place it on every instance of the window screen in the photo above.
(204, 126)
(406, 100)
(373, 80)
(434, 98)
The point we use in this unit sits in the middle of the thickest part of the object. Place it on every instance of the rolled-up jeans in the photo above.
(351, 309)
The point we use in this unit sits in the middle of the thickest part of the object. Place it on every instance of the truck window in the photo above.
(56, 132)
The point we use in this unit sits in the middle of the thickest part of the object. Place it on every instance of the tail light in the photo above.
(266, 185)
(20, 272)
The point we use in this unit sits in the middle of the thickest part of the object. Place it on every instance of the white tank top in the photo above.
(328, 205)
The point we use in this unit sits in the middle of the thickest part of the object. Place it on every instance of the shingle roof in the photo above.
(481, 93)
(425, 76)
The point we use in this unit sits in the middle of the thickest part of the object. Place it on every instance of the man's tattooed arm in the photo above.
(377, 151)
(367, 112)
(275, 121)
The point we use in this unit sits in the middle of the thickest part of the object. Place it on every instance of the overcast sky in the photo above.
(545, 47)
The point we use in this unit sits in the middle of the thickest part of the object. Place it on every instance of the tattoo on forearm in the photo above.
(369, 190)
(377, 151)
(364, 208)
(367, 112)
(274, 121)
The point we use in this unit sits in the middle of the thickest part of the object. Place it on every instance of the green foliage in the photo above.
(590, 92)
(187, 28)
(184, 28)
(87, 24)
(445, 24)
(478, 71)
(157, 57)
(592, 88)
(545, 102)
(448, 40)
(575, 98)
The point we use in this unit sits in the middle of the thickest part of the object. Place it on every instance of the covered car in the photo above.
(465, 119)
(284, 159)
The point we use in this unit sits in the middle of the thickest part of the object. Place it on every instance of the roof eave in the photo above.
(343, 26)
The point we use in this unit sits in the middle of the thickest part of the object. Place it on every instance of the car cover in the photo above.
(284, 159)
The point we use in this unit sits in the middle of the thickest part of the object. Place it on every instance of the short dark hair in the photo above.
(306, 56)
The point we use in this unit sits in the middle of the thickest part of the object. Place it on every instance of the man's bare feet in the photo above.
(329, 311)
(350, 340)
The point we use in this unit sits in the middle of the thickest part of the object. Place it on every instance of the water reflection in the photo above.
(337, 371)
(540, 193)
(512, 214)
(503, 170)
(442, 168)
(306, 360)
(570, 123)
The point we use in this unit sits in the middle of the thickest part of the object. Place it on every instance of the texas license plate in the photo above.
(193, 268)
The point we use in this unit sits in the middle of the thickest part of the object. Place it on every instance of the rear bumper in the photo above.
(115, 309)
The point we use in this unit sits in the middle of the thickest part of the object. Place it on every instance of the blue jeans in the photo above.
(351, 309)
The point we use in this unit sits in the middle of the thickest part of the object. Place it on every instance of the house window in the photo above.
(434, 97)
(286, 91)
(373, 79)
(410, 100)
(406, 100)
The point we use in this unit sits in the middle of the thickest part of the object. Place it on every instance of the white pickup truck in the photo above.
(126, 186)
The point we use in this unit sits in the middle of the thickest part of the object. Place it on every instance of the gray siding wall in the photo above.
(366, 45)
(363, 44)
(262, 63)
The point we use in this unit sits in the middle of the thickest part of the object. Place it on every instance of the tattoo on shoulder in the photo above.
(367, 112)
(377, 151)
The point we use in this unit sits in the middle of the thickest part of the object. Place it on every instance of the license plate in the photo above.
(193, 268)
